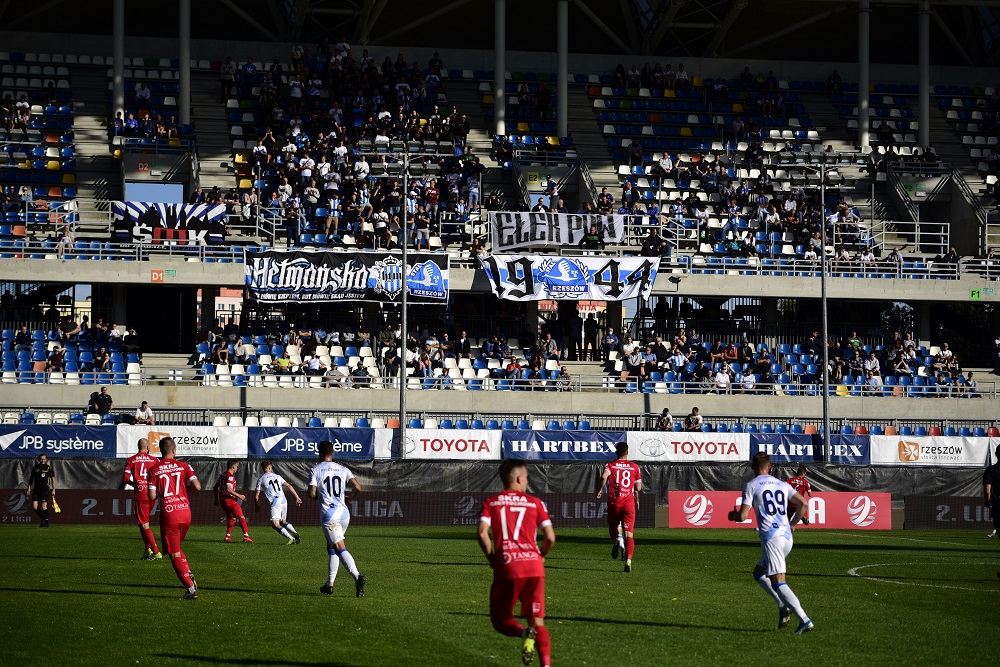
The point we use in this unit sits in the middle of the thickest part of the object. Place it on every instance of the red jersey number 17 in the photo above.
(519, 511)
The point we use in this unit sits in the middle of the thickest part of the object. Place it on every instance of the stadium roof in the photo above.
(963, 32)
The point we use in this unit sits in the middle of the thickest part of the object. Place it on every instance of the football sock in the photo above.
(229, 526)
(765, 583)
(621, 541)
(152, 541)
(290, 529)
(629, 547)
(544, 645)
(45, 515)
(790, 600)
(182, 569)
(348, 560)
(508, 627)
(334, 566)
(284, 533)
(38, 511)
(243, 525)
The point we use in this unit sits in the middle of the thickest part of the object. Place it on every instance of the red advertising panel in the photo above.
(854, 510)
(377, 508)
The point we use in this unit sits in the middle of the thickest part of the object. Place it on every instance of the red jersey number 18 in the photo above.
(623, 478)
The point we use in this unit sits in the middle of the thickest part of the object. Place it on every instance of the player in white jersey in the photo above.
(328, 481)
(273, 486)
(769, 497)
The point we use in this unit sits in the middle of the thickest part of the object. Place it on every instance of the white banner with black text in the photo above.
(520, 229)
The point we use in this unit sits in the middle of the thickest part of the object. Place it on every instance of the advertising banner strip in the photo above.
(786, 447)
(668, 446)
(946, 512)
(57, 441)
(222, 442)
(561, 445)
(900, 450)
(538, 277)
(849, 450)
(520, 229)
(451, 444)
(181, 224)
(356, 444)
(275, 276)
(853, 510)
(372, 508)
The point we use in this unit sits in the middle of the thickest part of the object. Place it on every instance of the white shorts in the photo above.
(279, 511)
(335, 523)
(773, 553)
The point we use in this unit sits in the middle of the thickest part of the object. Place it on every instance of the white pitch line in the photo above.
(854, 573)
(908, 539)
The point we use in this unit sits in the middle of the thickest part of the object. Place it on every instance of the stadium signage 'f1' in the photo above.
(852, 510)
(561, 445)
(274, 276)
(539, 277)
(520, 229)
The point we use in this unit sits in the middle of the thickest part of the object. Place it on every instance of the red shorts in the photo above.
(172, 534)
(142, 506)
(623, 514)
(504, 593)
(232, 508)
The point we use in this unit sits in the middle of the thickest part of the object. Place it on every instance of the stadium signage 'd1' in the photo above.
(561, 445)
(854, 510)
(57, 441)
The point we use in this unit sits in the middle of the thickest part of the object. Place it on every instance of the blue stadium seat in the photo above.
(584, 425)
(523, 425)
(950, 432)
(766, 428)
(569, 425)
(507, 424)
(781, 428)
(979, 432)
(920, 431)
(27, 418)
(875, 430)
(415, 423)
(492, 424)
(462, 424)
(721, 428)
(553, 425)
(736, 428)
(477, 424)
(446, 423)
(752, 428)
(315, 422)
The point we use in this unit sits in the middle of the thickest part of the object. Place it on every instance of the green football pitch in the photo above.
(77, 595)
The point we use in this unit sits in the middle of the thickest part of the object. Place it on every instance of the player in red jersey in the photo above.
(228, 499)
(514, 519)
(170, 480)
(136, 475)
(804, 489)
(623, 479)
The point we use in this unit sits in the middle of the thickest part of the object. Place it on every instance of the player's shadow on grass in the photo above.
(174, 587)
(205, 659)
(618, 621)
(436, 563)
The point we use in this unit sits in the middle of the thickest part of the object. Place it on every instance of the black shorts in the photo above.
(41, 496)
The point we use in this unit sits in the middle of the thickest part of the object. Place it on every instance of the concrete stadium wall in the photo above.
(127, 398)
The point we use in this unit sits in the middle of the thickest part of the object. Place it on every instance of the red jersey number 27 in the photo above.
(173, 485)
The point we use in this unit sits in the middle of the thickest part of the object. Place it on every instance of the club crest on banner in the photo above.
(564, 276)
(388, 275)
(425, 279)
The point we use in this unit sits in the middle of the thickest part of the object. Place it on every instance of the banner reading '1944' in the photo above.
(521, 229)
(274, 276)
(539, 277)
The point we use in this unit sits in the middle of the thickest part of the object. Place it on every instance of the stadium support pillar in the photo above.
(562, 68)
(924, 324)
(184, 31)
(499, 66)
(208, 306)
(118, 68)
(924, 72)
(531, 316)
(119, 298)
(864, 35)
(614, 315)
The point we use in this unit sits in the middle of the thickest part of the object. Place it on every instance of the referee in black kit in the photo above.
(41, 488)
(991, 492)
